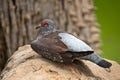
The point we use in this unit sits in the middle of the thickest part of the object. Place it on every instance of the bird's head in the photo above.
(46, 25)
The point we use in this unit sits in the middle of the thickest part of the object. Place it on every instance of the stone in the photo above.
(25, 64)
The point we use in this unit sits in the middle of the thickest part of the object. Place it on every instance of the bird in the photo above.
(60, 46)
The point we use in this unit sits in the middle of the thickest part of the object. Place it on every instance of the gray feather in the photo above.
(97, 60)
(74, 44)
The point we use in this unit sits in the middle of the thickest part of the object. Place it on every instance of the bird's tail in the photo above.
(97, 60)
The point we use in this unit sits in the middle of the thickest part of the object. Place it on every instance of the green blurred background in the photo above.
(108, 16)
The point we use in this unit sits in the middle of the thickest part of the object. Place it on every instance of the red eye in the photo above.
(43, 24)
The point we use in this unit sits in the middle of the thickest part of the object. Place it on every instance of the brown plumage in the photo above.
(50, 46)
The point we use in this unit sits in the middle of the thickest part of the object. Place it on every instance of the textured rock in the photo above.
(25, 64)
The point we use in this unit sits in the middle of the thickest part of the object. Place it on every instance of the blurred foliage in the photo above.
(108, 15)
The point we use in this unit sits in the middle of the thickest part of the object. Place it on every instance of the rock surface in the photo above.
(25, 64)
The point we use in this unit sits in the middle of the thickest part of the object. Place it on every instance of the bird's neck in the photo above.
(43, 33)
(48, 31)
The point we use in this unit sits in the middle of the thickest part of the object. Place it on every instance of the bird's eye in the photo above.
(44, 24)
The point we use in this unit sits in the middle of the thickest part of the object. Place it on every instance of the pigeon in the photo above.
(63, 47)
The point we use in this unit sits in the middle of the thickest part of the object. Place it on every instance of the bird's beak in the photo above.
(38, 26)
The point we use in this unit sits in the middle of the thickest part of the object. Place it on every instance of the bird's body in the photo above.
(53, 46)
(63, 47)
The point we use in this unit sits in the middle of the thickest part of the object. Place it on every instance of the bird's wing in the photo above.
(74, 44)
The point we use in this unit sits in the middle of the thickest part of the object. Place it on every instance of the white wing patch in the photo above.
(74, 44)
